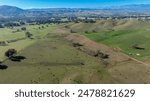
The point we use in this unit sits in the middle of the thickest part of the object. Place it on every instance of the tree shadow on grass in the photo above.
(17, 58)
(3, 67)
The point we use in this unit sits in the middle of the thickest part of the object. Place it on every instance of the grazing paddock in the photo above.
(100, 52)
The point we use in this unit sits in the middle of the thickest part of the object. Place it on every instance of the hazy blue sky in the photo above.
(69, 3)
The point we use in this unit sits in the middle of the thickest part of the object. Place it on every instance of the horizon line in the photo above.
(72, 7)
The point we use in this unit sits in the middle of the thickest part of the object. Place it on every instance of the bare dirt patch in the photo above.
(147, 61)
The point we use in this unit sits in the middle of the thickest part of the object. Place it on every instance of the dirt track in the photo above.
(140, 62)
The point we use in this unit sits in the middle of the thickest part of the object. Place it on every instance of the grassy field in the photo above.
(50, 58)
(8, 34)
(121, 34)
(125, 39)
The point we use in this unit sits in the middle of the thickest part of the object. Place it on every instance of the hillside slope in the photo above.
(10, 11)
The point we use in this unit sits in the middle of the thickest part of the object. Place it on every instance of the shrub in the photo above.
(28, 34)
(43, 27)
(1, 26)
(86, 32)
(24, 28)
(10, 52)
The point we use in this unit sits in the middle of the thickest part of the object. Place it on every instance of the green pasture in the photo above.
(125, 39)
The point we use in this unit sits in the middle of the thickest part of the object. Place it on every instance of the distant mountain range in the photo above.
(135, 7)
(12, 11)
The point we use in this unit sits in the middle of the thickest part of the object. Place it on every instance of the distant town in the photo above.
(14, 16)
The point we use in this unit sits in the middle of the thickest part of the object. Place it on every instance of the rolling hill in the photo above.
(106, 51)
(10, 10)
